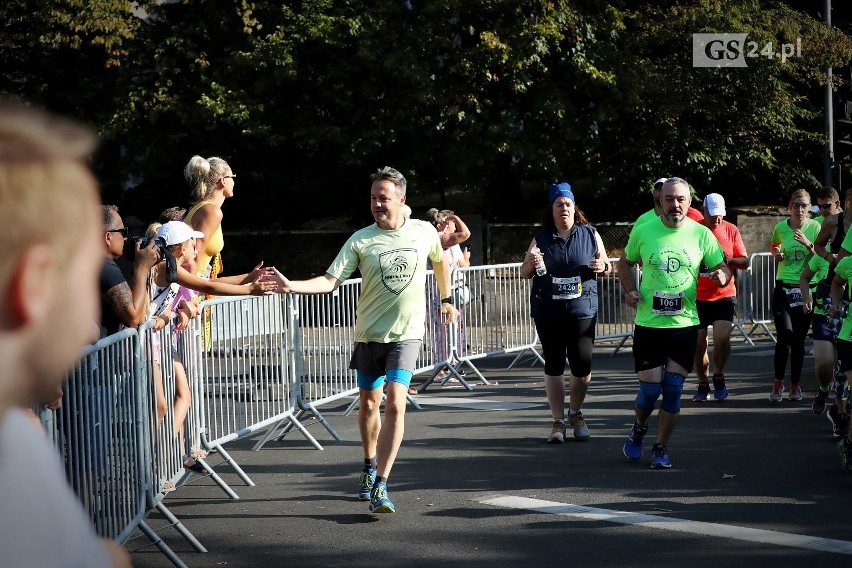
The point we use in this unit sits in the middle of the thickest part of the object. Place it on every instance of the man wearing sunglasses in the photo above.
(119, 303)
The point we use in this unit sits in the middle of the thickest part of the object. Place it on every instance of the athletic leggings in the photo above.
(567, 337)
(791, 327)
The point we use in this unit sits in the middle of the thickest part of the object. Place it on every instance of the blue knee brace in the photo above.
(648, 395)
(672, 389)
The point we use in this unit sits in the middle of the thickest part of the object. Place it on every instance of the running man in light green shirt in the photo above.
(390, 321)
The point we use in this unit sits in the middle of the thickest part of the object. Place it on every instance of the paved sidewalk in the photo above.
(476, 484)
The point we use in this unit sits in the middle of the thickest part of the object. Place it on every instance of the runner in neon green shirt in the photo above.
(672, 250)
(792, 245)
(839, 292)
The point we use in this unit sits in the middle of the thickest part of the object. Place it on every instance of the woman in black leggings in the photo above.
(564, 304)
(792, 246)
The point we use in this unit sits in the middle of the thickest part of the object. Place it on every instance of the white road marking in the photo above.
(672, 524)
(474, 403)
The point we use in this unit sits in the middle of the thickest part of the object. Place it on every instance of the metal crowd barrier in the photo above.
(496, 319)
(121, 458)
(255, 363)
(245, 375)
(761, 269)
(324, 327)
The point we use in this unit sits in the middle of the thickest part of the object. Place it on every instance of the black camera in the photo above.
(171, 264)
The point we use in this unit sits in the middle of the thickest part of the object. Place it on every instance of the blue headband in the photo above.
(558, 190)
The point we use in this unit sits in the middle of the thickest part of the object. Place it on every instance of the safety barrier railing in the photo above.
(95, 430)
(761, 278)
(254, 363)
(615, 317)
(245, 375)
(324, 328)
(496, 318)
(120, 456)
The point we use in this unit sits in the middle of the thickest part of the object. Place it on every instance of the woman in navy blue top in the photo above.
(564, 304)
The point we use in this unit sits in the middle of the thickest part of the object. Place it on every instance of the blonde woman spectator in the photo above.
(211, 182)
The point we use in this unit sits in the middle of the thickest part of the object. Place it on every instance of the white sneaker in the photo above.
(557, 435)
(581, 431)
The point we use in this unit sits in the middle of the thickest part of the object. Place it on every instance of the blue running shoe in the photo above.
(633, 446)
(379, 502)
(702, 393)
(720, 392)
(365, 484)
(660, 457)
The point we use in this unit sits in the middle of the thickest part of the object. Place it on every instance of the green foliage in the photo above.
(480, 103)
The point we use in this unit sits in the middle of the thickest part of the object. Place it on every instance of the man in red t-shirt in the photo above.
(717, 305)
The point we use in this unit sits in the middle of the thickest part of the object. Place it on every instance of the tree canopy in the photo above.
(480, 104)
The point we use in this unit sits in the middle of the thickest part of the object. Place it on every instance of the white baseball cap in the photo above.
(659, 181)
(714, 204)
(177, 232)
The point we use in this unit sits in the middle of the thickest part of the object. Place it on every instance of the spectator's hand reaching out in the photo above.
(281, 282)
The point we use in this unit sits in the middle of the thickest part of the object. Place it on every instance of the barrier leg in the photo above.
(246, 479)
(742, 331)
(428, 381)
(305, 433)
(476, 371)
(288, 427)
(190, 538)
(159, 543)
(536, 357)
(352, 406)
(620, 345)
(216, 479)
(270, 433)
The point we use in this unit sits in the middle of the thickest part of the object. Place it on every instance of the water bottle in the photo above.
(540, 268)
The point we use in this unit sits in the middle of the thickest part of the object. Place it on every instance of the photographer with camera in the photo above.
(122, 303)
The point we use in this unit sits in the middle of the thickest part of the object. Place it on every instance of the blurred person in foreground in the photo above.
(390, 320)
(50, 234)
(717, 306)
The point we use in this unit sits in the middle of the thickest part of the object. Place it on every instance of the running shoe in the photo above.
(557, 434)
(581, 431)
(703, 392)
(844, 448)
(777, 391)
(660, 457)
(839, 422)
(365, 484)
(633, 446)
(842, 426)
(379, 502)
(795, 392)
(720, 392)
(832, 416)
(818, 405)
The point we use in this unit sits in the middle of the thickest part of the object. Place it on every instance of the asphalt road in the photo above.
(475, 484)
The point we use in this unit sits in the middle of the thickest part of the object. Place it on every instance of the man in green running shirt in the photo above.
(672, 249)
(390, 320)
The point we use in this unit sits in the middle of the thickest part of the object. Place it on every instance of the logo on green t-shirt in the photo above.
(398, 268)
(797, 255)
(674, 264)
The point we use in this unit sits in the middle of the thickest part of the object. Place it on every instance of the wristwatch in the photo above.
(447, 300)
